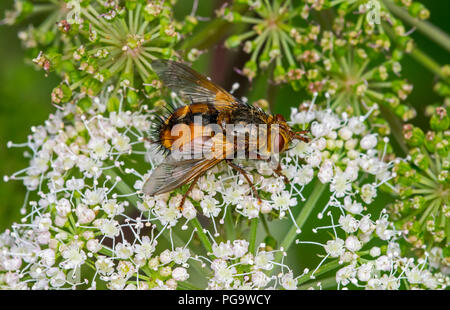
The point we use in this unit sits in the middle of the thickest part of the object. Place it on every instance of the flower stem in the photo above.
(201, 234)
(301, 218)
(187, 286)
(211, 34)
(123, 188)
(229, 226)
(253, 231)
(325, 268)
(433, 32)
(427, 62)
(324, 284)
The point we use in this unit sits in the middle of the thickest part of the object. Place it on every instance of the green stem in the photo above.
(187, 286)
(211, 34)
(253, 231)
(325, 268)
(266, 227)
(301, 218)
(201, 234)
(229, 226)
(324, 284)
(431, 31)
(428, 62)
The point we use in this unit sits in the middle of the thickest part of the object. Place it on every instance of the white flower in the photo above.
(210, 206)
(345, 274)
(282, 201)
(109, 228)
(234, 194)
(365, 272)
(124, 250)
(375, 251)
(11, 264)
(414, 275)
(180, 274)
(335, 247)
(57, 277)
(383, 263)
(382, 229)
(369, 141)
(84, 214)
(260, 279)
(240, 248)
(223, 273)
(368, 193)
(288, 282)
(99, 147)
(165, 257)
(271, 185)
(348, 223)
(189, 211)
(145, 249)
(250, 207)
(263, 260)
(47, 257)
(121, 143)
(389, 282)
(305, 175)
(352, 243)
(429, 280)
(314, 158)
(169, 215)
(63, 207)
(93, 245)
(352, 206)
(180, 255)
(117, 284)
(104, 265)
(75, 184)
(356, 124)
(345, 133)
(74, 257)
(112, 208)
(126, 269)
(340, 185)
(326, 171)
(366, 225)
(223, 250)
(94, 197)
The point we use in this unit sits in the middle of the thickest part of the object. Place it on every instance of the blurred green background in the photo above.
(25, 92)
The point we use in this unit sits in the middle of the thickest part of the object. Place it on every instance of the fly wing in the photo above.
(185, 164)
(173, 173)
(191, 85)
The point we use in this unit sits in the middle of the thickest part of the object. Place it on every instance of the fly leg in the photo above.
(183, 199)
(278, 172)
(300, 135)
(242, 171)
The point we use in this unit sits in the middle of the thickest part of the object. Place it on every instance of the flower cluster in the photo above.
(83, 224)
(422, 210)
(316, 57)
(88, 224)
(77, 229)
(92, 43)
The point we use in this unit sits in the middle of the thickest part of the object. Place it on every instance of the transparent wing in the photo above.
(185, 164)
(191, 85)
(173, 173)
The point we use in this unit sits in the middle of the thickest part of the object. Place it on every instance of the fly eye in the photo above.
(279, 118)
